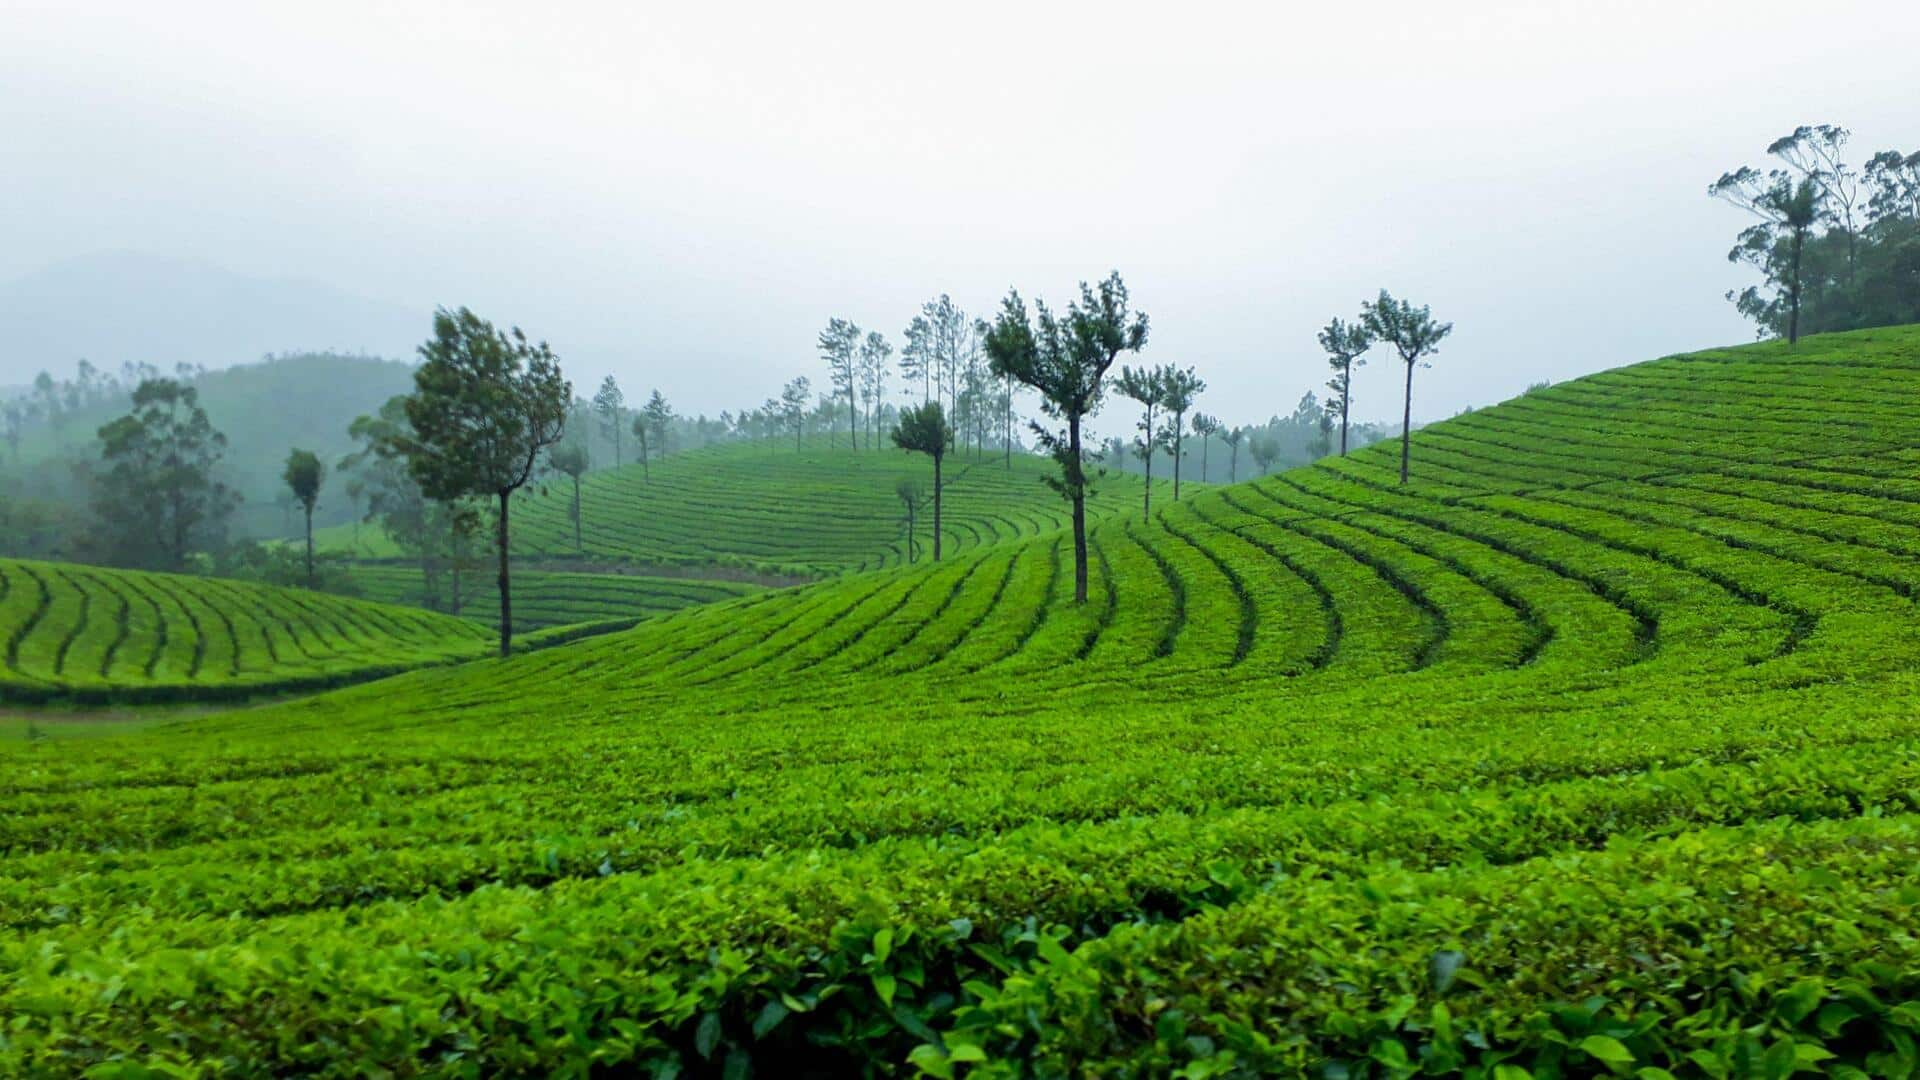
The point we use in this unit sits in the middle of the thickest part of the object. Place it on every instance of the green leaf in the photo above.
(707, 1035)
(884, 986)
(769, 1018)
(882, 946)
(931, 1061)
(1442, 967)
(1610, 1050)
(1511, 1072)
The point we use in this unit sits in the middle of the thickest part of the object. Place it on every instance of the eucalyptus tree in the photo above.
(609, 402)
(1785, 212)
(570, 459)
(875, 352)
(1893, 179)
(1413, 333)
(839, 345)
(1265, 450)
(1346, 345)
(1206, 427)
(1232, 437)
(1816, 152)
(923, 429)
(1065, 359)
(304, 474)
(793, 406)
(485, 404)
(157, 494)
(659, 420)
(916, 356)
(1179, 389)
(1148, 387)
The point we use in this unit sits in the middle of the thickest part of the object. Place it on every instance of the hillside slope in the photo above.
(1596, 748)
(778, 510)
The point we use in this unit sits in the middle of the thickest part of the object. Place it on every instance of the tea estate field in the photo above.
(1594, 750)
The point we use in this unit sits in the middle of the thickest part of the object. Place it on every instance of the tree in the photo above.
(609, 403)
(1181, 387)
(840, 347)
(157, 497)
(1148, 386)
(659, 417)
(874, 356)
(16, 414)
(909, 493)
(1894, 179)
(1232, 438)
(923, 430)
(1265, 450)
(1065, 361)
(1346, 344)
(304, 475)
(1786, 212)
(1413, 334)
(485, 404)
(570, 458)
(915, 356)
(793, 405)
(1814, 152)
(1206, 427)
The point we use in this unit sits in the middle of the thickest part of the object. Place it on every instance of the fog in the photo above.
(682, 196)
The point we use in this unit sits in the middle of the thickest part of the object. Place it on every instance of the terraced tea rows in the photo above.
(1596, 749)
(820, 512)
(89, 634)
(545, 598)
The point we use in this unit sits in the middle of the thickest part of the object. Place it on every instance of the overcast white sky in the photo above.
(683, 193)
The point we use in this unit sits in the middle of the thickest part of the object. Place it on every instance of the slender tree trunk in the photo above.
(936, 507)
(1008, 433)
(577, 544)
(1178, 420)
(912, 554)
(1346, 401)
(853, 429)
(1793, 320)
(309, 547)
(1076, 483)
(1233, 464)
(506, 589)
(1406, 424)
(1204, 439)
(1146, 490)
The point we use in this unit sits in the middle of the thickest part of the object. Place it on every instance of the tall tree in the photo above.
(570, 459)
(1148, 386)
(659, 417)
(304, 475)
(1893, 179)
(16, 414)
(1776, 242)
(610, 404)
(1413, 333)
(916, 361)
(840, 347)
(1232, 437)
(923, 429)
(1206, 427)
(1815, 153)
(1346, 345)
(875, 357)
(158, 498)
(1065, 359)
(1180, 388)
(485, 404)
(793, 405)
(1265, 450)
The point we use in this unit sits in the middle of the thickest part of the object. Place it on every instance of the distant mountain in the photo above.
(113, 308)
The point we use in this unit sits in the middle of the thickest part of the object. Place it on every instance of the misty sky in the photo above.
(682, 194)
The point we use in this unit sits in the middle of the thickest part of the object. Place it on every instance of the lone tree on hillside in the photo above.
(1206, 427)
(304, 474)
(909, 493)
(840, 347)
(156, 496)
(610, 404)
(485, 404)
(923, 429)
(1413, 334)
(571, 459)
(1233, 437)
(659, 418)
(1148, 386)
(1787, 212)
(1180, 387)
(1065, 360)
(1345, 344)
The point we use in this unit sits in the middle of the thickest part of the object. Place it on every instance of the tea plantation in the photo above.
(1594, 750)
(544, 598)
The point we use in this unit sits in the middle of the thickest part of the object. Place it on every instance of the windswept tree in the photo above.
(1346, 345)
(793, 406)
(1413, 333)
(909, 494)
(485, 405)
(1785, 212)
(304, 474)
(570, 459)
(1180, 389)
(157, 496)
(610, 404)
(1206, 427)
(875, 363)
(840, 347)
(923, 430)
(1065, 359)
(1233, 437)
(1148, 387)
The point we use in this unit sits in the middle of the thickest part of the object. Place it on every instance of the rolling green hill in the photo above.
(547, 598)
(773, 509)
(91, 634)
(1594, 750)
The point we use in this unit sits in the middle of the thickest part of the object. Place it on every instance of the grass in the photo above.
(543, 599)
(1593, 750)
(773, 509)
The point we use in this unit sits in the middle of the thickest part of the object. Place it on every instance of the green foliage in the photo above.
(543, 598)
(156, 495)
(1594, 750)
